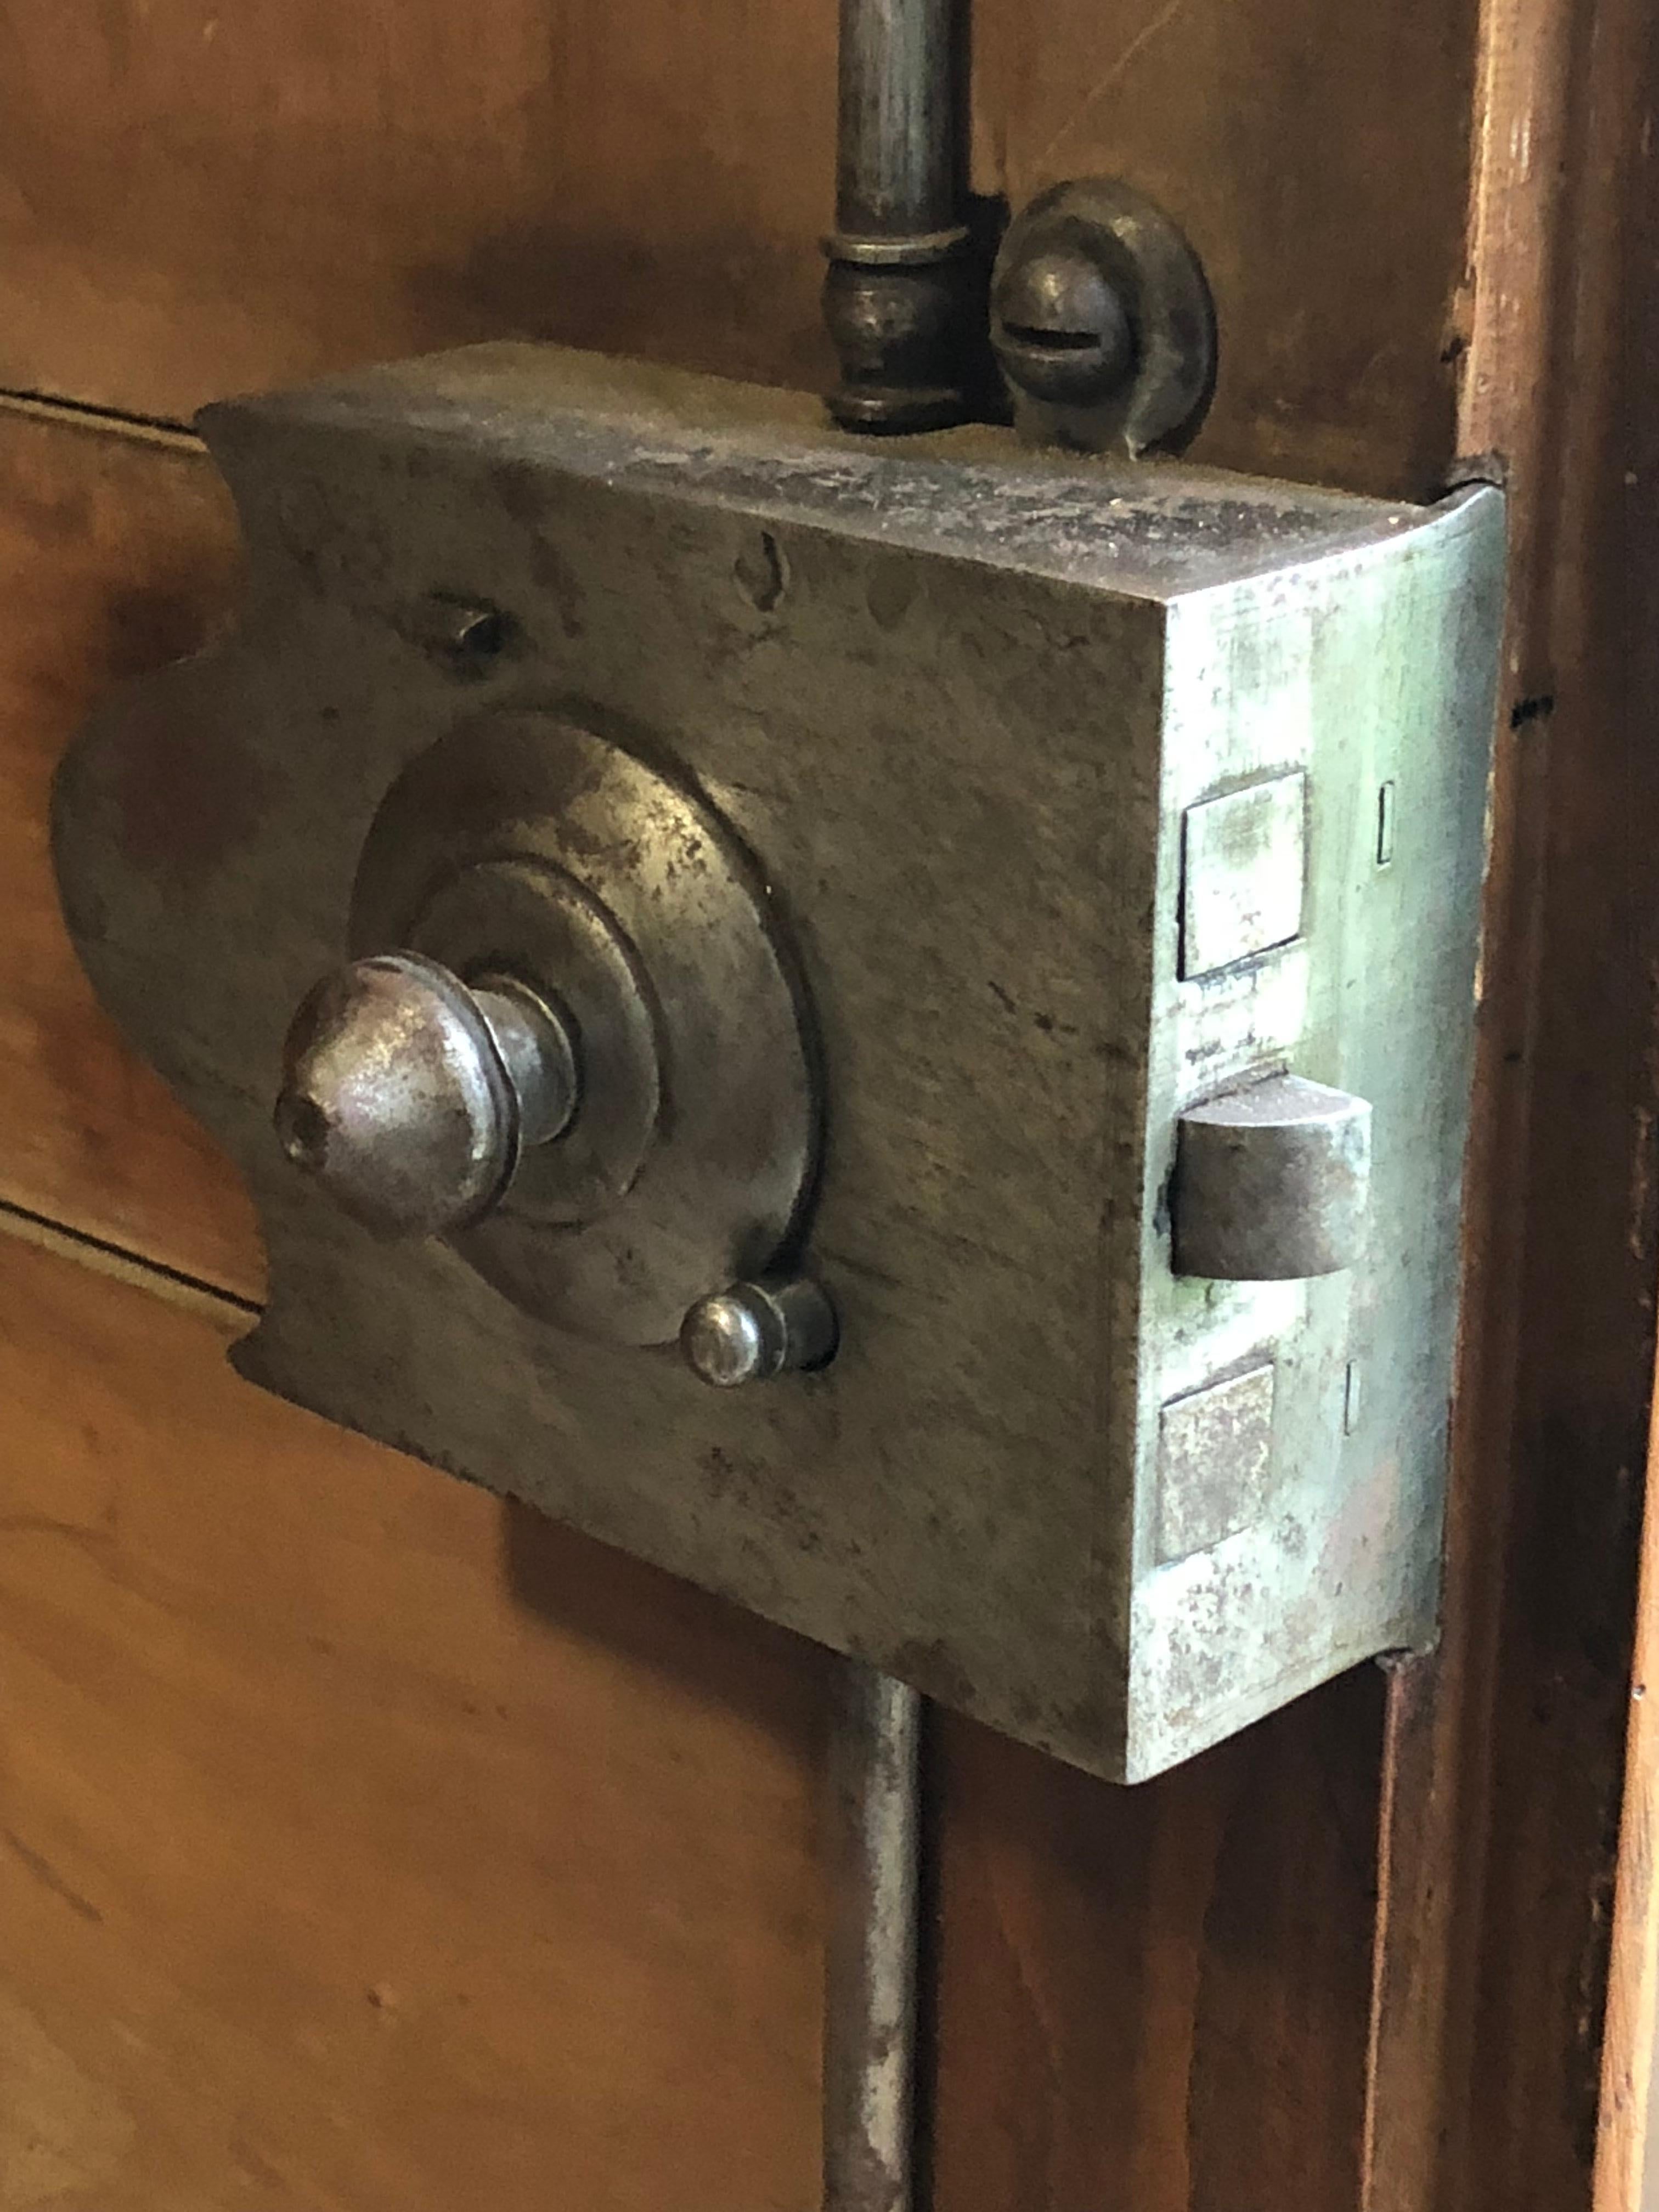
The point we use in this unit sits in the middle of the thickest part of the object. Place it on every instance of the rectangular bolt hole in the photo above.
(1385, 825)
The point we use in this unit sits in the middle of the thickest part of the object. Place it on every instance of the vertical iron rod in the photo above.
(896, 297)
(896, 173)
(896, 304)
(870, 1979)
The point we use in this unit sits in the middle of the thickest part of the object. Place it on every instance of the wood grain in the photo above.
(355, 1850)
(1158, 1997)
(1128, 1942)
(1505, 1753)
(198, 199)
(1112, 2004)
(118, 553)
(1317, 156)
(1627, 2174)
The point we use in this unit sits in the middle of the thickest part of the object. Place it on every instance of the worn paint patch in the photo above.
(1244, 865)
(1215, 1450)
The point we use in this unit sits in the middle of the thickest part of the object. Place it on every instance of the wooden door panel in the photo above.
(202, 199)
(197, 199)
(1132, 1940)
(1129, 1935)
(359, 1849)
(118, 552)
(1158, 1998)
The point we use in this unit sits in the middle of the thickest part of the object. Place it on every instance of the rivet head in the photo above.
(750, 1331)
(726, 1340)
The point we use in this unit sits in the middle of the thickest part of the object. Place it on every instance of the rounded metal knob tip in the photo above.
(411, 1096)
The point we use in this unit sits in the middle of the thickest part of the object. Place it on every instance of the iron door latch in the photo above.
(983, 938)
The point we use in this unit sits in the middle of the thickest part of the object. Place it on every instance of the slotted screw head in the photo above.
(1060, 329)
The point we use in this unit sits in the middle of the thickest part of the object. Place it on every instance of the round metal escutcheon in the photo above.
(529, 845)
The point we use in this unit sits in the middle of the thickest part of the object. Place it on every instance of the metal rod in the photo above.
(896, 297)
(896, 173)
(870, 1979)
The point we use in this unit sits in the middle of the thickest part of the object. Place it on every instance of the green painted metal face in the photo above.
(1082, 800)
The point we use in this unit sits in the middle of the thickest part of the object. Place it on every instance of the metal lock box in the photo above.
(1035, 898)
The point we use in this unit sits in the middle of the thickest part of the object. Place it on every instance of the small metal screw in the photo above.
(750, 1331)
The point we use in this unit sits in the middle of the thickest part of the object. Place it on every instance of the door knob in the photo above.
(411, 1097)
(574, 1043)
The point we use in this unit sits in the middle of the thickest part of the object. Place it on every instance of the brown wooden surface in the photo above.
(1197, 1950)
(1627, 2130)
(118, 552)
(1505, 1753)
(198, 198)
(1158, 1998)
(357, 1849)
(1317, 153)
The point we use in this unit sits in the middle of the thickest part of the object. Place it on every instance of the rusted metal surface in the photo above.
(956, 699)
